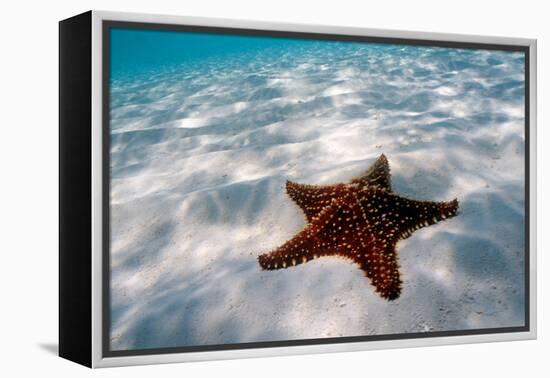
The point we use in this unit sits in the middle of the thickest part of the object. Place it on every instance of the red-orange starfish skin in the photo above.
(362, 221)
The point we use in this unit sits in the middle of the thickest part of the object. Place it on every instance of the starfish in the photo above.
(362, 220)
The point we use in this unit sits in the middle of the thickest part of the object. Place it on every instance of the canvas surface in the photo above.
(205, 131)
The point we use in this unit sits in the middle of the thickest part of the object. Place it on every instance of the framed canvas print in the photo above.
(233, 189)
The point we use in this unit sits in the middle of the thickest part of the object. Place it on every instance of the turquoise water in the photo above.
(137, 51)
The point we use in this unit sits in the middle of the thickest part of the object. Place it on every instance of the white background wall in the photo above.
(28, 163)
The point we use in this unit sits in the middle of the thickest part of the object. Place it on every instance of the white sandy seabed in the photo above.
(199, 159)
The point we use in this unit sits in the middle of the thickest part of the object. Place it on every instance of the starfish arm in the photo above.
(326, 235)
(398, 217)
(420, 214)
(378, 175)
(301, 248)
(379, 263)
(312, 199)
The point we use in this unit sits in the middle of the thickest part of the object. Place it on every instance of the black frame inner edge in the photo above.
(107, 25)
